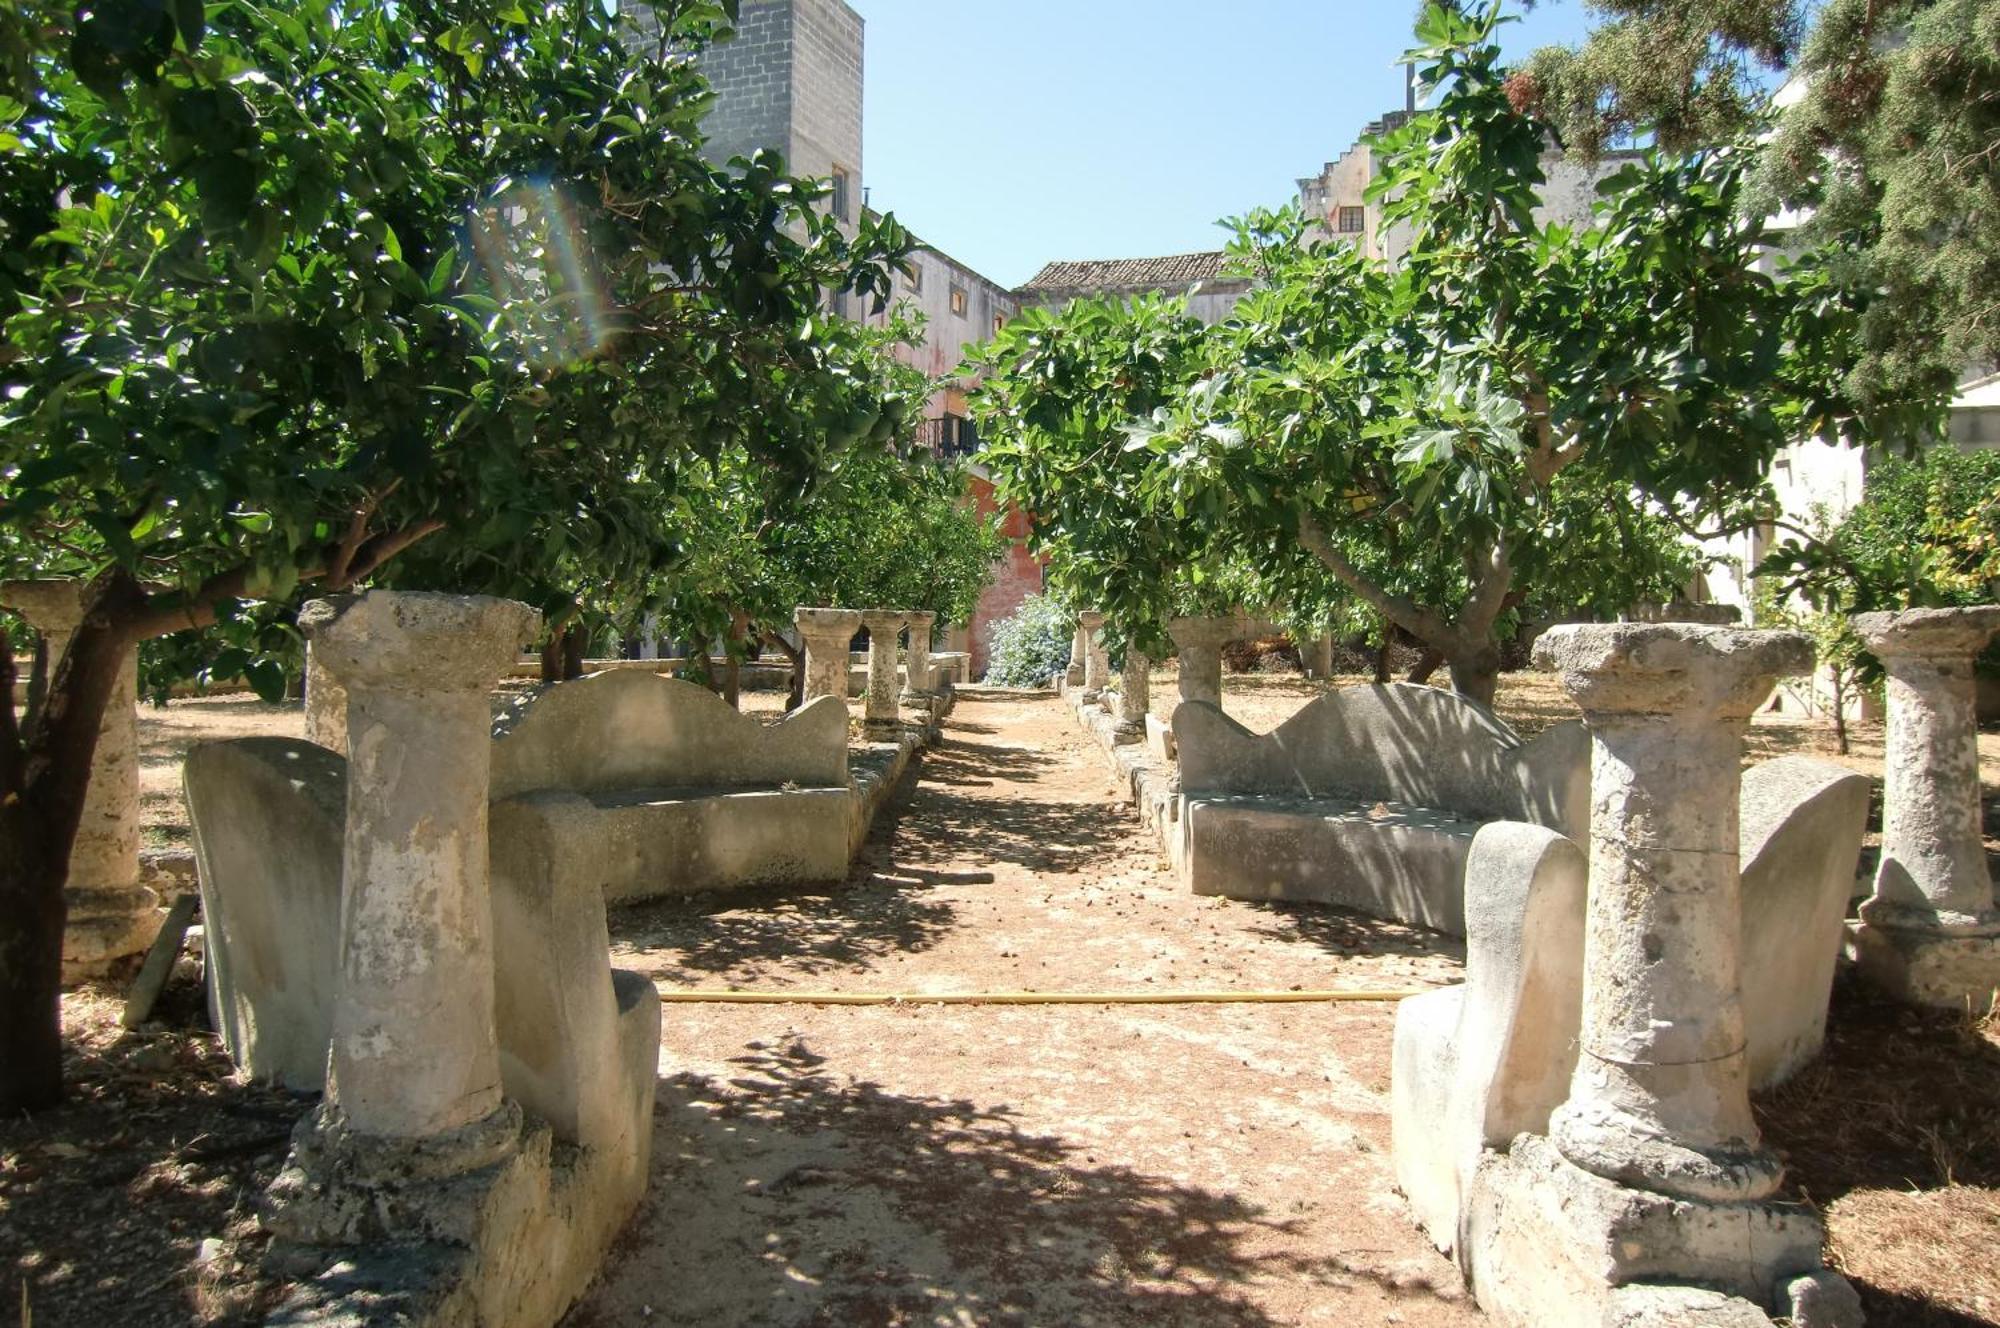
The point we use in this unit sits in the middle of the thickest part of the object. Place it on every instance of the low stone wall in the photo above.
(1150, 780)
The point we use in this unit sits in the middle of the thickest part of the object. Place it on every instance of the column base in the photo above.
(1628, 1150)
(1948, 970)
(1551, 1245)
(881, 730)
(105, 928)
(1128, 732)
(910, 697)
(342, 1187)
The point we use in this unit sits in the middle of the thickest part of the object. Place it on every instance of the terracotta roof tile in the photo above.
(1173, 272)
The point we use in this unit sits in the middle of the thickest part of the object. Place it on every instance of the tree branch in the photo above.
(1403, 611)
(164, 612)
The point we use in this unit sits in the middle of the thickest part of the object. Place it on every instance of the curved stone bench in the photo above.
(578, 1040)
(1367, 798)
(1476, 1064)
(649, 786)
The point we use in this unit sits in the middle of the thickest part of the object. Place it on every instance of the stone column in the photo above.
(1134, 697)
(1930, 932)
(826, 635)
(414, 1063)
(326, 706)
(1078, 648)
(1200, 642)
(1317, 656)
(881, 719)
(1660, 1098)
(917, 659)
(1096, 660)
(111, 915)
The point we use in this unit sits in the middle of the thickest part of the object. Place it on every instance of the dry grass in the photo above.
(1894, 1132)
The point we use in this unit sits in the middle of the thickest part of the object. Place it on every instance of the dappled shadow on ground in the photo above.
(1893, 1132)
(1033, 830)
(1341, 932)
(789, 1195)
(792, 931)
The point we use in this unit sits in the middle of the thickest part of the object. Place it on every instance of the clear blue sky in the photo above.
(1012, 132)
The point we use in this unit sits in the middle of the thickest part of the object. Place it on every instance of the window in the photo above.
(1352, 220)
(999, 321)
(958, 300)
(842, 194)
(915, 281)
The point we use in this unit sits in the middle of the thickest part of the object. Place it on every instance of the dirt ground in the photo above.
(1141, 1165)
(817, 1165)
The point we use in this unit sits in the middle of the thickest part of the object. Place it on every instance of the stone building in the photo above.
(1335, 200)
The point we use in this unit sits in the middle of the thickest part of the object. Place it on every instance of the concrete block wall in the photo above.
(752, 77)
(826, 72)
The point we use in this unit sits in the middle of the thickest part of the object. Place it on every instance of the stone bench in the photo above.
(614, 787)
(649, 786)
(1477, 1064)
(1368, 798)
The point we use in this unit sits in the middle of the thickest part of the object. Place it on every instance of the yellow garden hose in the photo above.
(674, 994)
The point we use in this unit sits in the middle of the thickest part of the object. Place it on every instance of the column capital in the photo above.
(826, 622)
(1670, 669)
(1211, 633)
(1941, 634)
(417, 641)
(921, 620)
(53, 606)
(883, 620)
(1090, 620)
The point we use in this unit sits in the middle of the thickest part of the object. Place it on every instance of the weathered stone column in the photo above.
(1078, 648)
(826, 635)
(1200, 642)
(1096, 660)
(1660, 1097)
(917, 658)
(1930, 932)
(1317, 656)
(1135, 683)
(881, 719)
(326, 706)
(414, 1059)
(111, 915)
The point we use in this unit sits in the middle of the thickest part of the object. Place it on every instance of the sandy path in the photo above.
(1156, 1165)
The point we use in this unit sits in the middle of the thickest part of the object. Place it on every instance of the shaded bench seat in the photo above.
(1368, 798)
(651, 787)
(1386, 859)
(648, 843)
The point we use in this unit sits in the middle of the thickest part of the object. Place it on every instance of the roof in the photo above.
(1170, 273)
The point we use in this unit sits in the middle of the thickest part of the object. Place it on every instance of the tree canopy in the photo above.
(292, 289)
(1888, 136)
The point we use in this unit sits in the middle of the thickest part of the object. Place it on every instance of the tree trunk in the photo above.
(1382, 670)
(575, 642)
(552, 657)
(44, 775)
(1475, 672)
(32, 913)
(38, 679)
(1839, 711)
(1427, 664)
(797, 659)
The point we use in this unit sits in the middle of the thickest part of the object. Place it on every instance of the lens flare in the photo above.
(531, 257)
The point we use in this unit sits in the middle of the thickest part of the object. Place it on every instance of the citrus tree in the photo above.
(293, 290)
